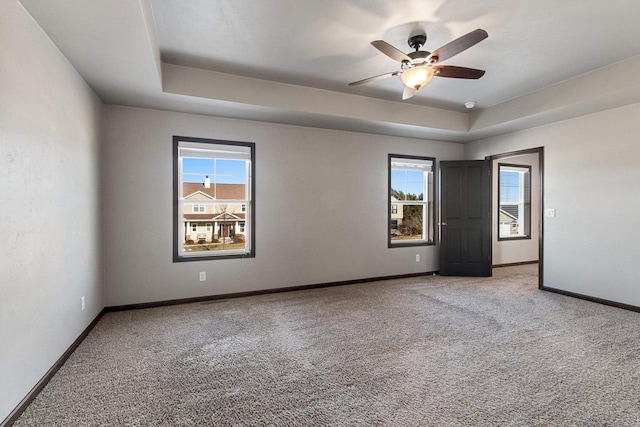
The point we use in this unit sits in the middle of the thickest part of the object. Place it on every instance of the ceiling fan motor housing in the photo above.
(417, 41)
(419, 57)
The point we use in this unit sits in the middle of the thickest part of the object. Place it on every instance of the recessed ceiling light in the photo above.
(470, 104)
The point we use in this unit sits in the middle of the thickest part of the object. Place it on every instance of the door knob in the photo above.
(442, 223)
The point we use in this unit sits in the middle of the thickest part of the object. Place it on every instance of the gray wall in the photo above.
(511, 251)
(321, 207)
(592, 179)
(49, 252)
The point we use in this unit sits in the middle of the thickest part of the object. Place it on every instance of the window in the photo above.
(514, 201)
(213, 184)
(411, 207)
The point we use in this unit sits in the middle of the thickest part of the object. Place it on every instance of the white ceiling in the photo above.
(326, 44)
(289, 46)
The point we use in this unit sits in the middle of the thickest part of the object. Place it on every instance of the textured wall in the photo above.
(321, 207)
(591, 178)
(49, 250)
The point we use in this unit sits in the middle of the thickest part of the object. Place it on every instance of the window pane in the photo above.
(209, 179)
(510, 186)
(414, 189)
(221, 227)
(408, 185)
(408, 223)
(398, 183)
(225, 236)
(196, 169)
(514, 208)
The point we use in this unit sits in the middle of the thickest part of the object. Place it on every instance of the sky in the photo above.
(509, 187)
(226, 171)
(409, 182)
(221, 171)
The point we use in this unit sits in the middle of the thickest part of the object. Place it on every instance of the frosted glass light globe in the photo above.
(417, 77)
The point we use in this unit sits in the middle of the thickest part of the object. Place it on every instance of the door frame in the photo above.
(540, 151)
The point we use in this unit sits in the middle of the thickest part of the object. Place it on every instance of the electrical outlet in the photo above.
(417, 257)
(82, 303)
(203, 276)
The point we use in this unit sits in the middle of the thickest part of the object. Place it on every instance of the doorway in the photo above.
(225, 230)
(517, 208)
(470, 219)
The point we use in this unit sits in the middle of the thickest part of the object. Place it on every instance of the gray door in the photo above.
(465, 222)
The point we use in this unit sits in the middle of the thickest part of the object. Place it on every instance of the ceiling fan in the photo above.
(419, 67)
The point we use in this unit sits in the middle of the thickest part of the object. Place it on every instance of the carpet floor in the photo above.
(427, 351)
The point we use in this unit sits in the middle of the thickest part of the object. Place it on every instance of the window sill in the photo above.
(227, 255)
(504, 239)
(404, 244)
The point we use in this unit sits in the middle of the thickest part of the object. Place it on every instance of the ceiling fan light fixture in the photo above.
(417, 77)
(419, 67)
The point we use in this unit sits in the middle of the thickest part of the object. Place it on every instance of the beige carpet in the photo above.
(429, 351)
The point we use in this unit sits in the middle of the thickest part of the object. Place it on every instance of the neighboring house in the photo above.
(396, 215)
(206, 221)
(508, 220)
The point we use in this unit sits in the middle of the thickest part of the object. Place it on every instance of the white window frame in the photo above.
(187, 147)
(521, 170)
(198, 208)
(413, 163)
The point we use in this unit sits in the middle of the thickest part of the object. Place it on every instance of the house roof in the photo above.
(508, 215)
(216, 191)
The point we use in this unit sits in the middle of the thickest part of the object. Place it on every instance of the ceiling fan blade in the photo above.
(457, 72)
(373, 79)
(390, 51)
(408, 92)
(460, 44)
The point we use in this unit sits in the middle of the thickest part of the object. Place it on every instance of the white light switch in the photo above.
(550, 213)
(203, 276)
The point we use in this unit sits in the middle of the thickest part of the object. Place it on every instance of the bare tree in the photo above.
(412, 220)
